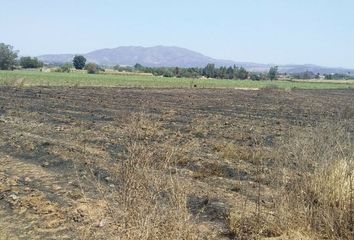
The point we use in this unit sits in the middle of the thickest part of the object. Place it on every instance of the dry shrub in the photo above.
(142, 128)
(252, 226)
(232, 151)
(318, 182)
(251, 154)
(184, 151)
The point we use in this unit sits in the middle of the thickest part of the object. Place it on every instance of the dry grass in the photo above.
(147, 202)
(169, 174)
(18, 82)
(302, 189)
(320, 196)
(313, 179)
(252, 226)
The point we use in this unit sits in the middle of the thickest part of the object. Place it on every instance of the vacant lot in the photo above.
(108, 163)
(36, 78)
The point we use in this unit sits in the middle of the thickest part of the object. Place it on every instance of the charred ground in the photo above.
(60, 148)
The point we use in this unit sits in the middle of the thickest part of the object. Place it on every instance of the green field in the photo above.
(36, 78)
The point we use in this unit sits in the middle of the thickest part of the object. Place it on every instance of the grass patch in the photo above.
(35, 78)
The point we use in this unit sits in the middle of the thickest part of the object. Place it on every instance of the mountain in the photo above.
(162, 56)
(159, 56)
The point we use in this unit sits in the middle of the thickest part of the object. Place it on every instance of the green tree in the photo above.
(328, 76)
(241, 73)
(273, 73)
(177, 72)
(230, 73)
(7, 57)
(222, 73)
(167, 73)
(138, 67)
(116, 67)
(28, 62)
(79, 62)
(209, 71)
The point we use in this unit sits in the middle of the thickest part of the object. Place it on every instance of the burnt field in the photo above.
(98, 163)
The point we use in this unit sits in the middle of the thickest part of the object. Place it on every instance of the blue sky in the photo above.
(264, 31)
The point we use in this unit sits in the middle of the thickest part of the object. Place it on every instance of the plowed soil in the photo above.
(56, 142)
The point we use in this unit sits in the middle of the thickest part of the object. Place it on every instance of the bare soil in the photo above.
(56, 143)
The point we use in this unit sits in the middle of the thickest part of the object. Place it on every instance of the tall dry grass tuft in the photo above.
(150, 204)
(147, 201)
(252, 220)
(312, 180)
(317, 182)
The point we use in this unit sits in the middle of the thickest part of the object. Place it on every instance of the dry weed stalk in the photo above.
(317, 187)
(147, 201)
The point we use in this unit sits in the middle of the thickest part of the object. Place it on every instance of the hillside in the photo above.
(162, 56)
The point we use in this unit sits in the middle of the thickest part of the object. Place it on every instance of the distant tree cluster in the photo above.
(9, 61)
(338, 76)
(209, 71)
(7, 57)
(28, 62)
(305, 75)
(79, 62)
(258, 76)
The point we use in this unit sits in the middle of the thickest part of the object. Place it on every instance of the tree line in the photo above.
(307, 75)
(9, 59)
(209, 71)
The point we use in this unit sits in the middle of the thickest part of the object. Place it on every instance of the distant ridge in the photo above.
(163, 56)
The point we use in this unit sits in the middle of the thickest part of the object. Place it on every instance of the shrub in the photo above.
(91, 68)
(255, 77)
(66, 68)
